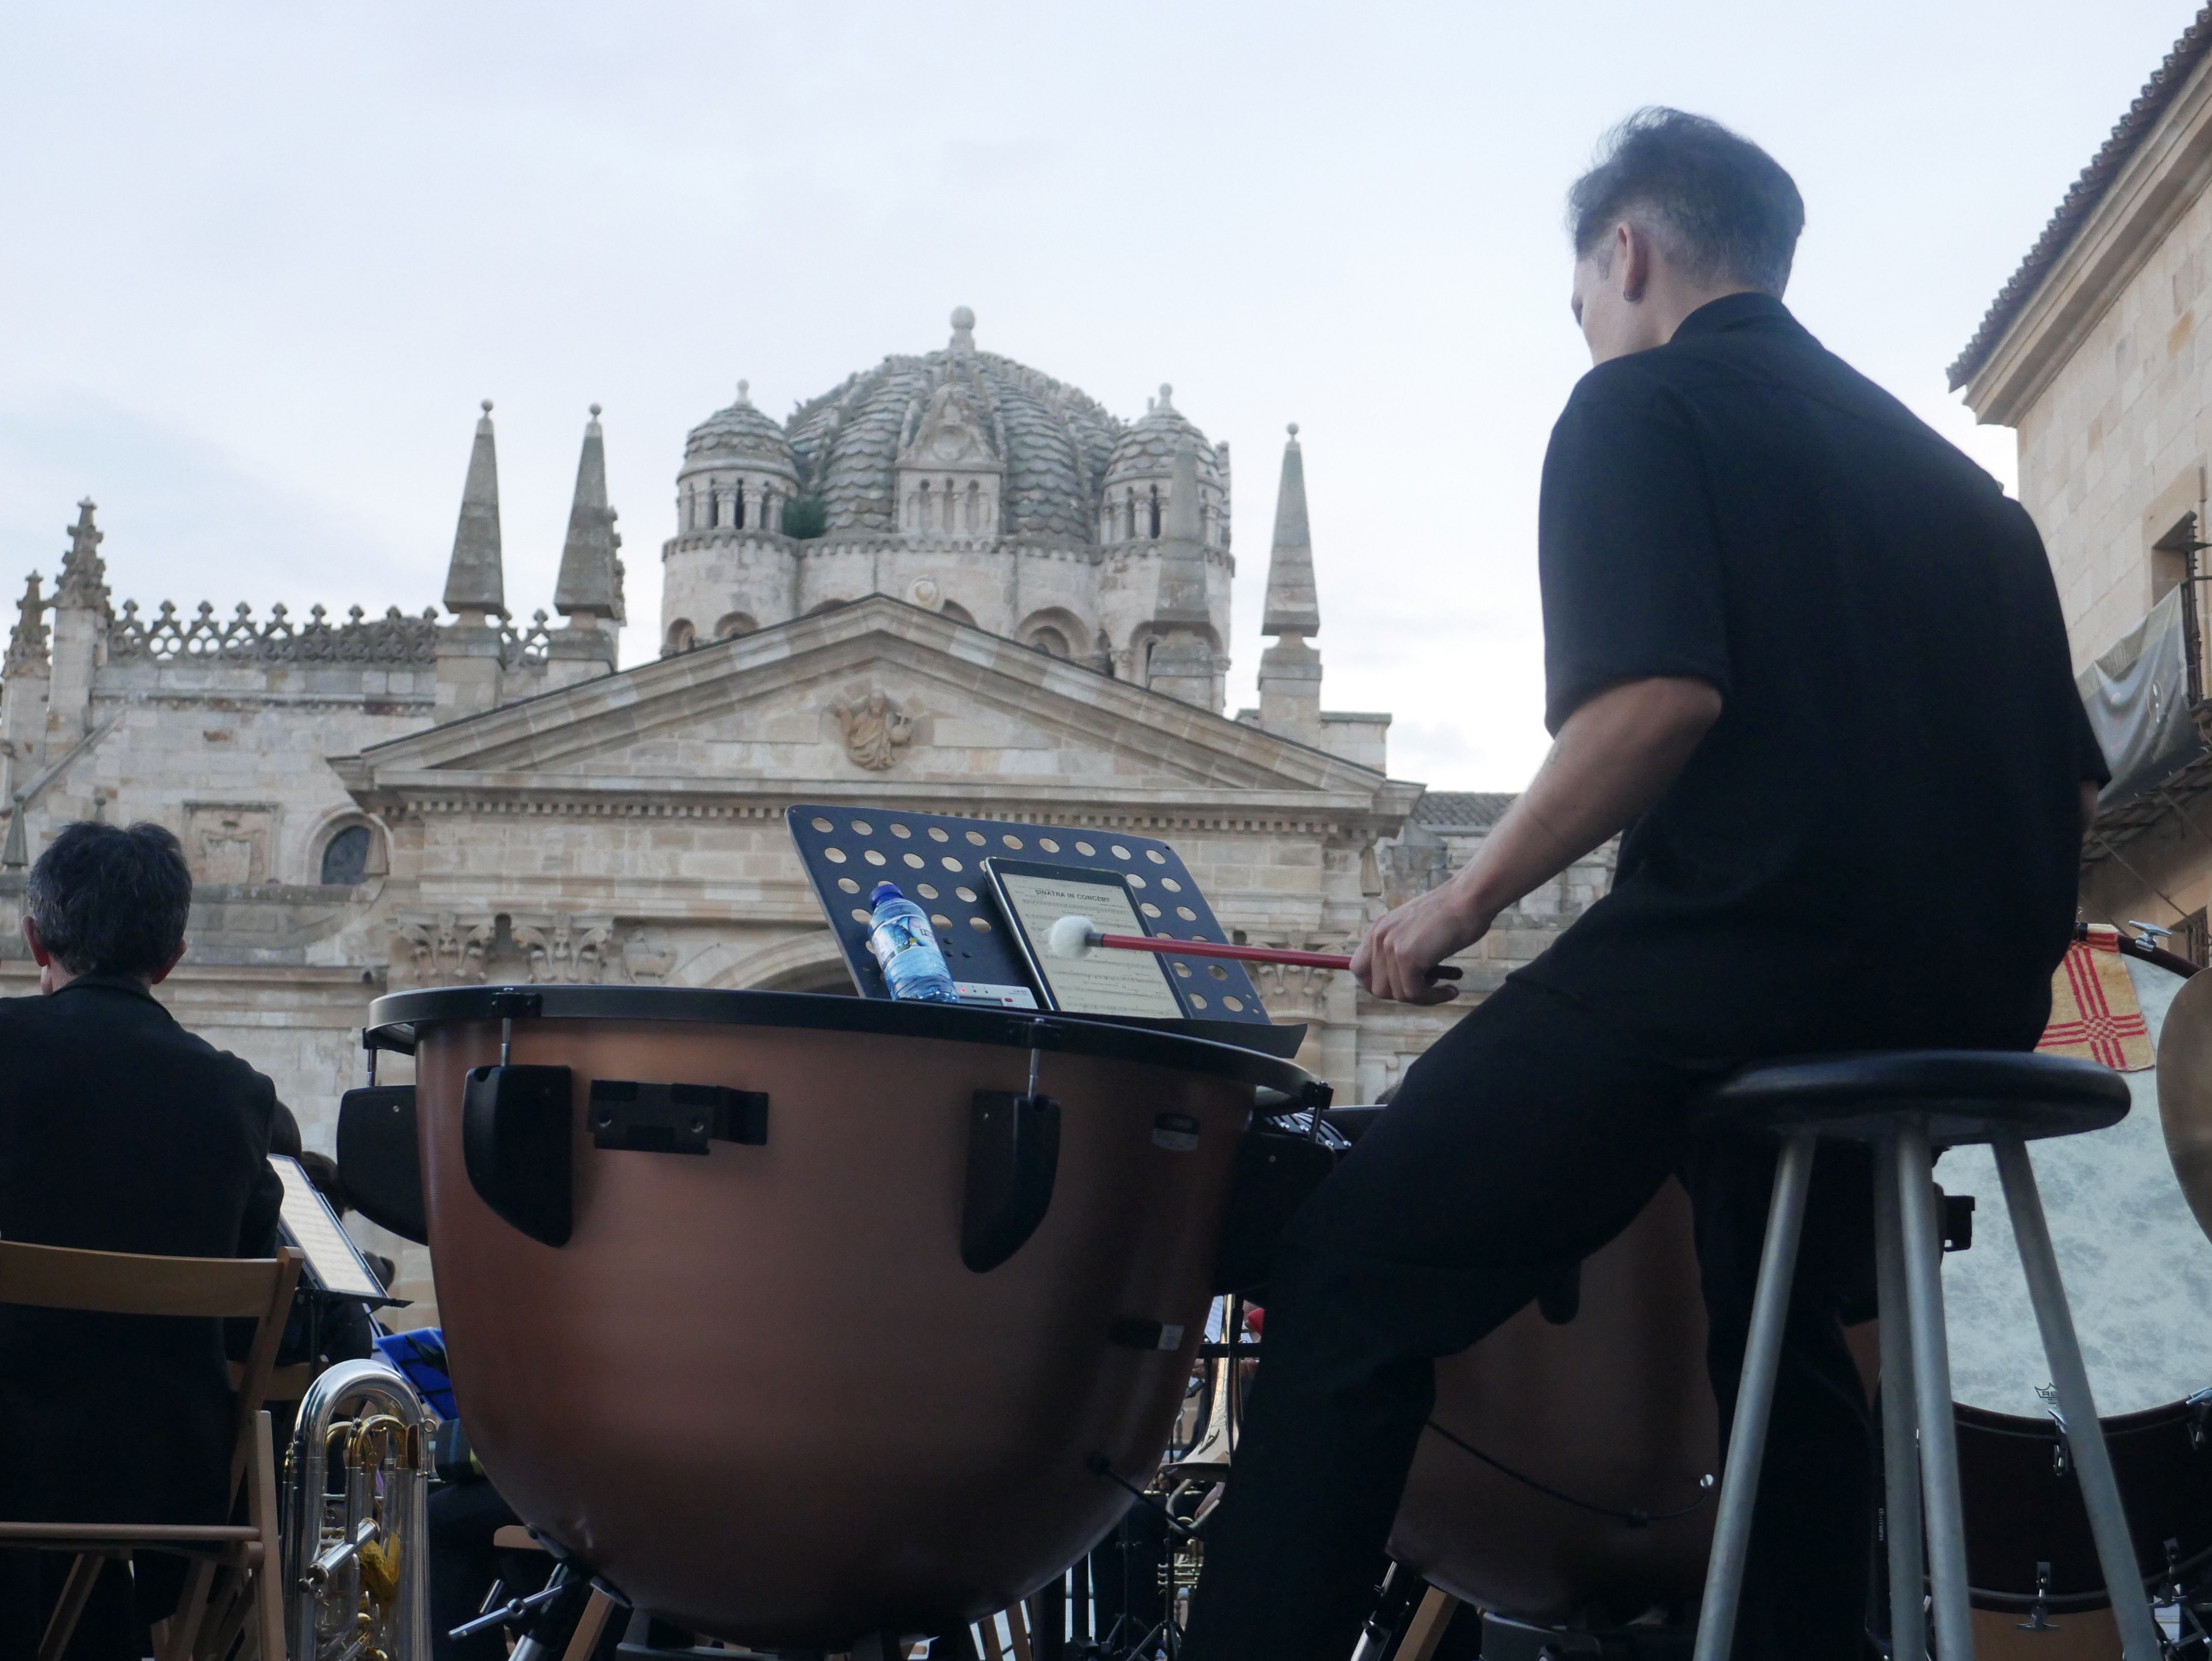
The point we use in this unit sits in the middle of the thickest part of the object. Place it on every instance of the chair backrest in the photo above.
(123, 1283)
(120, 1283)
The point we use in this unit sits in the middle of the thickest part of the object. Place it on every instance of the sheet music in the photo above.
(334, 1264)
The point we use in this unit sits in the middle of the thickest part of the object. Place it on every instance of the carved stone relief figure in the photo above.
(875, 729)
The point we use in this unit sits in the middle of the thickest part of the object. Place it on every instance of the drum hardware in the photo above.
(2200, 1415)
(356, 1578)
(2039, 1613)
(1013, 1157)
(2061, 1450)
(627, 1115)
(514, 1143)
(1279, 1162)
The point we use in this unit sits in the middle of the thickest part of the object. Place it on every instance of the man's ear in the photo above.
(40, 955)
(1634, 255)
(182, 947)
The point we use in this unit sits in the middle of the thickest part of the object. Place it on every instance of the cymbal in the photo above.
(2184, 1093)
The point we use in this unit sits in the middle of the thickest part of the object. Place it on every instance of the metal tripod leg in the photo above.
(1762, 1360)
(1900, 1420)
(2101, 1492)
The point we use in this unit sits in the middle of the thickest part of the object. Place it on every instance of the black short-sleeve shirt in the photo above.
(1877, 842)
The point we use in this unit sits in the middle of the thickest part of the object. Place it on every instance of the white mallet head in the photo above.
(1073, 937)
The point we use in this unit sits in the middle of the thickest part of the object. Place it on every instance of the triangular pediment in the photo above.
(879, 697)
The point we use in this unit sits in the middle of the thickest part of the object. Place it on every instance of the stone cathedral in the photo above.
(951, 582)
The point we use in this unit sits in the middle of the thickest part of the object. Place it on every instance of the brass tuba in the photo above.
(357, 1558)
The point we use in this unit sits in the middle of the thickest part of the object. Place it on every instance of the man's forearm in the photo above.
(1611, 759)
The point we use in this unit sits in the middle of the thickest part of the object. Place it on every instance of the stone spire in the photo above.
(1292, 607)
(26, 642)
(83, 584)
(1289, 670)
(591, 583)
(476, 579)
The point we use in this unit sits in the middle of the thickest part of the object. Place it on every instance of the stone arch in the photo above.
(683, 635)
(958, 612)
(1053, 630)
(808, 962)
(734, 623)
(828, 605)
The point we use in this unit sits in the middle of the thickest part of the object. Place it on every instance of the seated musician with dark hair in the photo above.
(120, 1131)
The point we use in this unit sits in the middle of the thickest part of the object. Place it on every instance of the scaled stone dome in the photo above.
(740, 433)
(1147, 447)
(1053, 440)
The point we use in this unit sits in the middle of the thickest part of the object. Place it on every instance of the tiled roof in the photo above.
(2088, 190)
(1462, 810)
(1054, 441)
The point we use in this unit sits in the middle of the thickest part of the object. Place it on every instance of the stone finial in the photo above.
(83, 585)
(476, 578)
(590, 584)
(963, 330)
(1293, 608)
(26, 642)
(1166, 399)
(744, 397)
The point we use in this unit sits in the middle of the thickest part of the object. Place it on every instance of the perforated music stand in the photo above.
(937, 861)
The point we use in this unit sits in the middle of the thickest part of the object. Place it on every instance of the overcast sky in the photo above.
(259, 262)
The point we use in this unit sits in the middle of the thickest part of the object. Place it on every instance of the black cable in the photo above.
(1634, 1518)
(1099, 1465)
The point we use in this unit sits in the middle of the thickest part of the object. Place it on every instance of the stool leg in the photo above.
(1900, 1420)
(1754, 1396)
(1931, 1379)
(2101, 1492)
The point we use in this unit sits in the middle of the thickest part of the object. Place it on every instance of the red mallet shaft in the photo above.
(1081, 934)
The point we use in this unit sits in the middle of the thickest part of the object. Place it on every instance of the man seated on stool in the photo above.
(120, 1131)
(1809, 658)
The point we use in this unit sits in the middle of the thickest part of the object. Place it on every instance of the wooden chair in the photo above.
(246, 1556)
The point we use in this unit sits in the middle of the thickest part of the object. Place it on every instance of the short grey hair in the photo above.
(1721, 207)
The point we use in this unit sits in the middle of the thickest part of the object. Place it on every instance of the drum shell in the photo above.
(1613, 1408)
(758, 1390)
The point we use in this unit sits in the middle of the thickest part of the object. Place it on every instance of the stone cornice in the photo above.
(597, 714)
(2161, 179)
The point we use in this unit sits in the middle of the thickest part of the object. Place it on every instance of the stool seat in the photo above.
(1966, 1096)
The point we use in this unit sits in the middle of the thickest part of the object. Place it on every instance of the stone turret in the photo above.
(475, 589)
(24, 678)
(80, 632)
(1185, 660)
(1289, 670)
(589, 591)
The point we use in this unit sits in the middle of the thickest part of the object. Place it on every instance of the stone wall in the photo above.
(2112, 451)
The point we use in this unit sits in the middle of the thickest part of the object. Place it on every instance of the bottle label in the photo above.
(896, 935)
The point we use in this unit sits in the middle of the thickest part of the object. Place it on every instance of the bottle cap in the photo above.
(884, 890)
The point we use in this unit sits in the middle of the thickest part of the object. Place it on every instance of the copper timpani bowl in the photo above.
(758, 1387)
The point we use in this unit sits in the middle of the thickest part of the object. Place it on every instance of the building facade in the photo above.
(2099, 354)
(952, 583)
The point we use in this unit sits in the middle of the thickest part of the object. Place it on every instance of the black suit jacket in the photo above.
(120, 1131)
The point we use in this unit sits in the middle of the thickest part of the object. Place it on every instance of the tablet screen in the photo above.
(1105, 982)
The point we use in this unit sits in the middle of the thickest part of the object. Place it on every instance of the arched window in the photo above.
(345, 857)
(975, 506)
(1156, 511)
(1128, 515)
(736, 623)
(1050, 642)
(958, 612)
(682, 636)
(737, 505)
(952, 501)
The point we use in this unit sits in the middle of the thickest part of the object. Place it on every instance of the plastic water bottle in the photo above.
(900, 936)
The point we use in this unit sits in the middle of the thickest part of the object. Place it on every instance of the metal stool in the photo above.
(1909, 1103)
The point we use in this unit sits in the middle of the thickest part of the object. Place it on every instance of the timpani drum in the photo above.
(799, 1317)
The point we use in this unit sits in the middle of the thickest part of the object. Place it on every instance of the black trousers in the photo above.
(1526, 1138)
